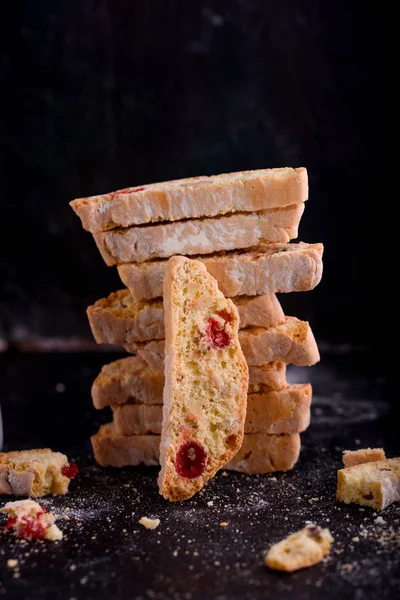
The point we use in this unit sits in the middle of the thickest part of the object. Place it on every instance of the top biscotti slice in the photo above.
(266, 269)
(35, 473)
(245, 191)
(199, 236)
(206, 380)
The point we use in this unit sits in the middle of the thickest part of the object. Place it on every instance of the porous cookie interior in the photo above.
(206, 419)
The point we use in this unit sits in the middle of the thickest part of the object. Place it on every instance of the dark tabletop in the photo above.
(106, 554)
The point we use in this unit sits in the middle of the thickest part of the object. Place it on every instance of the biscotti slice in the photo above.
(291, 342)
(302, 549)
(375, 484)
(266, 269)
(128, 380)
(362, 455)
(244, 191)
(199, 236)
(262, 453)
(35, 473)
(118, 320)
(283, 411)
(206, 380)
(131, 380)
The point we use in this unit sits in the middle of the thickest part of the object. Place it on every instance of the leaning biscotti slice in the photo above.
(266, 269)
(131, 380)
(260, 453)
(199, 236)
(375, 484)
(206, 380)
(283, 411)
(292, 342)
(35, 473)
(119, 320)
(191, 198)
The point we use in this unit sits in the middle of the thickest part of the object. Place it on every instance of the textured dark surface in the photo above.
(107, 554)
(103, 95)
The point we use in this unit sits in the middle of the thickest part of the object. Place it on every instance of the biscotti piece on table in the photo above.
(206, 380)
(362, 455)
(375, 484)
(291, 342)
(118, 320)
(132, 380)
(29, 520)
(128, 380)
(35, 473)
(284, 411)
(302, 549)
(265, 269)
(202, 236)
(194, 197)
(260, 452)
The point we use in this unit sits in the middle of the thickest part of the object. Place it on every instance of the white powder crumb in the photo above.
(72, 567)
(12, 563)
(93, 537)
(355, 539)
(379, 521)
(127, 485)
(149, 523)
(175, 553)
(223, 523)
(84, 580)
(16, 575)
(210, 503)
(272, 479)
(217, 563)
(224, 474)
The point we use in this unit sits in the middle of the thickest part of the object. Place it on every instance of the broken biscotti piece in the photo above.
(131, 380)
(201, 236)
(260, 452)
(303, 549)
(283, 411)
(363, 455)
(194, 197)
(35, 473)
(266, 269)
(291, 342)
(119, 320)
(29, 520)
(206, 380)
(375, 484)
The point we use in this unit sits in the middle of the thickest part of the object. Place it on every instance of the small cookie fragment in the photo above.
(302, 549)
(375, 484)
(363, 455)
(29, 520)
(149, 523)
(35, 473)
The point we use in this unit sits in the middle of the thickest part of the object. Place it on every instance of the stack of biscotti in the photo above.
(239, 225)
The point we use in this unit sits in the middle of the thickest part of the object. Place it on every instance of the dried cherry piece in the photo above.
(70, 470)
(368, 496)
(217, 334)
(31, 528)
(10, 523)
(190, 460)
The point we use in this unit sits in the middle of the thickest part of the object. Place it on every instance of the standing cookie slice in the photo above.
(206, 379)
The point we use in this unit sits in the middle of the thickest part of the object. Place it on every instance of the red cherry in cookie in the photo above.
(31, 528)
(217, 335)
(190, 460)
(69, 471)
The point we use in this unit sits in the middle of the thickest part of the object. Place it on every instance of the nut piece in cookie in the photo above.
(363, 455)
(375, 484)
(35, 473)
(303, 549)
(29, 520)
(206, 380)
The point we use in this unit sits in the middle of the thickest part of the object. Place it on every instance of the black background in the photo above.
(100, 95)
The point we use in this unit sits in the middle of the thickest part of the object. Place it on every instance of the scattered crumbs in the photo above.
(72, 567)
(380, 521)
(84, 580)
(358, 442)
(355, 539)
(66, 518)
(127, 485)
(149, 523)
(124, 531)
(223, 523)
(67, 508)
(195, 553)
(286, 518)
(12, 563)
(16, 575)
(191, 567)
(361, 509)
(224, 474)
(210, 503)
(93, 537)
(175, 553)
(217, 563)
(272, 479)
(60, 388)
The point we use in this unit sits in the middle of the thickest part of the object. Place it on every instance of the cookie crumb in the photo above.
(12, 563)
(223, 523)
(302, 549)
(149, 523)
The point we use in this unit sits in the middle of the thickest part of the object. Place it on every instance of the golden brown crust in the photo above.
(363, 455)
(192, 198)
(266, 269)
